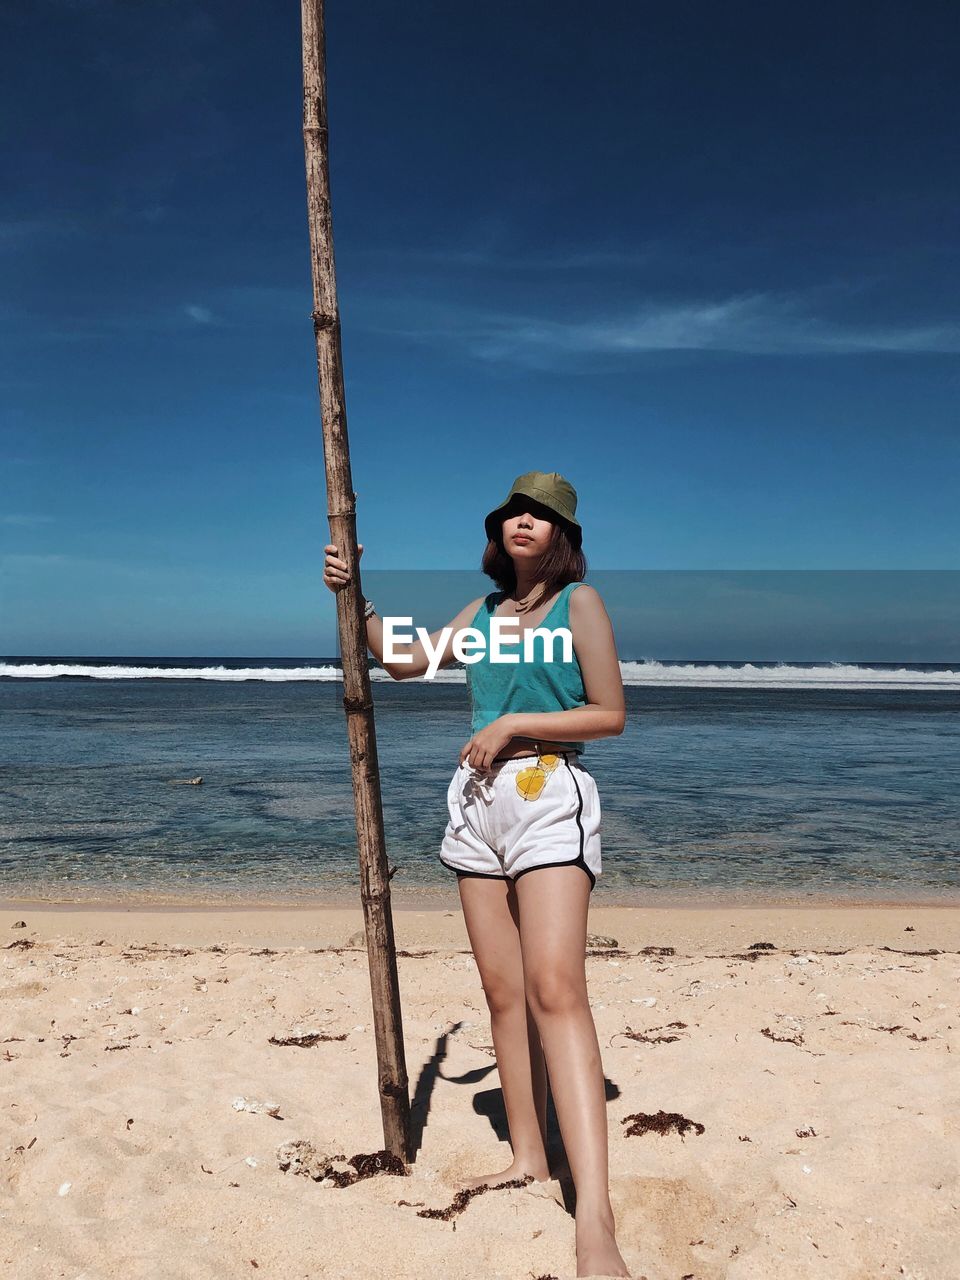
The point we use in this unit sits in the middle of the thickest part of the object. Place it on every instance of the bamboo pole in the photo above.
(341, 513)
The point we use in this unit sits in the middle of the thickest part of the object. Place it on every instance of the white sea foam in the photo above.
(52, 671)
(785, 675)
(650, 672)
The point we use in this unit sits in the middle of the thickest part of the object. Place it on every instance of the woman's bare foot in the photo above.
(519, 1169)
(597, 1252)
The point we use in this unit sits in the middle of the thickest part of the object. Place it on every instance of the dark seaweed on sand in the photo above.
(647, 1038)
(899, 950)
(463, 1198)
(367, 1166)
(771, 1035)
(305, 1041)
(661, 1122)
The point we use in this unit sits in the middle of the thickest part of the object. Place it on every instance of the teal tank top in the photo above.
(499, 688)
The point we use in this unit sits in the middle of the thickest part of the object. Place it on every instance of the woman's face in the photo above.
(526, 532)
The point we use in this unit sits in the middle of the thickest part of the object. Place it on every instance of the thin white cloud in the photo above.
(202, 315)
(748, 324)
(17, 233)
(491, 258)
(29, 563)
(151, 214)
(25, 521)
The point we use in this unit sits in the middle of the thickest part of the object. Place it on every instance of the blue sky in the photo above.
(701, 259)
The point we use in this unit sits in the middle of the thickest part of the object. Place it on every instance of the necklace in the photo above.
(517, 603)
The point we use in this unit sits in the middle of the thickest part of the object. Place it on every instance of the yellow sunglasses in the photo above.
(531, 781)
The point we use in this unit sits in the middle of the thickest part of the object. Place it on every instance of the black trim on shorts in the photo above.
(579, 860)
(480, 875)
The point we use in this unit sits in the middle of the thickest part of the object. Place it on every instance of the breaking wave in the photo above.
(716, 675)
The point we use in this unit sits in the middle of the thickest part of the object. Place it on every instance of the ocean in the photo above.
(732, 782)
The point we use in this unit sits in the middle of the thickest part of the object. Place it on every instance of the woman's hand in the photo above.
(334, 569)
(487, 743)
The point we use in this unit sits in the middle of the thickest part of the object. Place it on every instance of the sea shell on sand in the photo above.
(258, 1108)
(301, 1156)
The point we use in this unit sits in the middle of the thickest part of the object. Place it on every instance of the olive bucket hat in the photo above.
(549, 489)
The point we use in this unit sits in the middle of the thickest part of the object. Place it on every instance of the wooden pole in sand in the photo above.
(341, 512)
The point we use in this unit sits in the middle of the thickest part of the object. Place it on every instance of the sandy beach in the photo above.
(782, 1089)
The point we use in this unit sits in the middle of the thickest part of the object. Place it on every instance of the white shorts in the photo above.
(493, 831)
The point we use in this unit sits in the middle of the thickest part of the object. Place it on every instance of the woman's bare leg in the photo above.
(490, 912)
(553, 904)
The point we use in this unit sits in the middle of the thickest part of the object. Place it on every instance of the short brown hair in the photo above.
(561, 563)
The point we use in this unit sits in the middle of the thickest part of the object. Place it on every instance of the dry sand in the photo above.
(822, 1071)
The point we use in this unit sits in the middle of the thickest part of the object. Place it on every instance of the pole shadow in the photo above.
(488, 1103)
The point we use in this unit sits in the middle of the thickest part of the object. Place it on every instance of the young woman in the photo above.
(521, 801)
